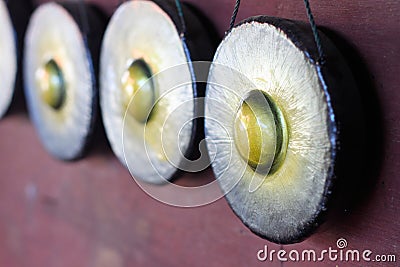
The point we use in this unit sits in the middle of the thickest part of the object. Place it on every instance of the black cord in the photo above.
(181, 17)
(234, 15)
(314, 29)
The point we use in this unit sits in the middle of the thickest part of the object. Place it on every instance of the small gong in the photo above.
(14, 16)
(148, 87)
(8, 59)
(60, 67)
(284, 116)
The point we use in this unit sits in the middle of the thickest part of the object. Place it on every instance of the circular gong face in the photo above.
(8, 59)
(146, 91)
(59, 83)
(281, 121)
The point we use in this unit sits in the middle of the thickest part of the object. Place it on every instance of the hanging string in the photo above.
(314, 29)
(321, 59)
(234, 15)
(181, 17)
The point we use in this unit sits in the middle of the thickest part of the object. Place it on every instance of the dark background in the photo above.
(91, 212)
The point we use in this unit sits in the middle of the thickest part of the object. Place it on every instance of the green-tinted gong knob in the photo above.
(50, 81)
(138, 91)
(260, 132)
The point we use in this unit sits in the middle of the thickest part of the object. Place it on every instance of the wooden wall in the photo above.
(91, 212)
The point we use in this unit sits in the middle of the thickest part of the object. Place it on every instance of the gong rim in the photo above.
(8, 62)
(55, 34)
(296, 33)
(167, 14)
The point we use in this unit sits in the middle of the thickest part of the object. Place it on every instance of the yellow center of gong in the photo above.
(138, 91)
(261, 135)
(50, 81)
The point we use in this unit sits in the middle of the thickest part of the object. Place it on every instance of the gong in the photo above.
(60, 67)
(285, 116)
(148, 86)
(14, 16)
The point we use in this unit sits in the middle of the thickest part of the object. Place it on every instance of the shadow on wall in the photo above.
(361, 173)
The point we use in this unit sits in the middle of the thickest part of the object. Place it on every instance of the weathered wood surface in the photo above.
(91, 213)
